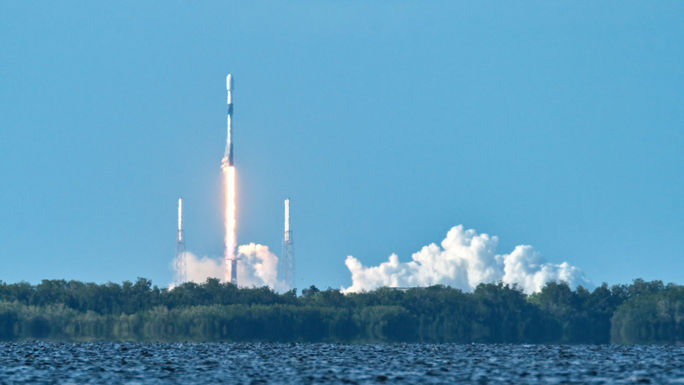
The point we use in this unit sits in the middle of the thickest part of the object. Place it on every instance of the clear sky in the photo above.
(554, 123)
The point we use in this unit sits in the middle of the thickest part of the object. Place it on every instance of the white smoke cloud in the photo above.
(199, 269)
(257, 267)
(464, 260)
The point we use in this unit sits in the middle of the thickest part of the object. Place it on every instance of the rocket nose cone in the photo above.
(229, 82)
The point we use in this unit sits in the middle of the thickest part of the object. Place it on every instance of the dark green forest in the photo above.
(639, 313)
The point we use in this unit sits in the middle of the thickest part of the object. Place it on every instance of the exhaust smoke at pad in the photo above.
(463, 260)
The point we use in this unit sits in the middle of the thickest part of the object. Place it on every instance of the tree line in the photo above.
(642, 312)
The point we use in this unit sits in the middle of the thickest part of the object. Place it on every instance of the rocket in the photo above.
(227, 160)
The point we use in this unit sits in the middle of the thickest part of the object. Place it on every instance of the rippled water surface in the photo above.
(146, 363)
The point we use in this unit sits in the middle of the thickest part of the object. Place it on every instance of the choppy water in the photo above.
(146, 363)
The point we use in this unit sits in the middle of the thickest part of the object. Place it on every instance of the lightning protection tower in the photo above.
(179, 261)
(287, 262)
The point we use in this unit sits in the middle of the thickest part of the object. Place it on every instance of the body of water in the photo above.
(259, 363)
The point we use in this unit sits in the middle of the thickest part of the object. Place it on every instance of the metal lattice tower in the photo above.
(233, 271)
(287, 261)
(179, 261)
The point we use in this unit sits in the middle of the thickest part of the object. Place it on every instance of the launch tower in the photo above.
(179, 260)
(287, 262)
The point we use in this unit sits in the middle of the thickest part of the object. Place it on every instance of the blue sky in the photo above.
(556, 124)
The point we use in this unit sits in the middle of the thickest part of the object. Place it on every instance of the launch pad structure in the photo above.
(179, 261)
(287, 257)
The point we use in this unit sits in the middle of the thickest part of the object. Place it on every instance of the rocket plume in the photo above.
(230, 188)
(230, 238)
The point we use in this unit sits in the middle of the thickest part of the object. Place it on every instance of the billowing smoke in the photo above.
(464, 260)
(198, 269)
(257, 267)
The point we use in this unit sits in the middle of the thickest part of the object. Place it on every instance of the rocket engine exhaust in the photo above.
(230, 188)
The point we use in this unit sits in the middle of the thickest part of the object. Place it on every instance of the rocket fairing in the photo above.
(227, 160)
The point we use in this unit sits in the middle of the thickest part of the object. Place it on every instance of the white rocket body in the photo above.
(227, 160)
